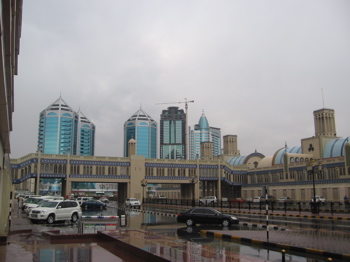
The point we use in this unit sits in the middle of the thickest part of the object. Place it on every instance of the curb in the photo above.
(276, 245)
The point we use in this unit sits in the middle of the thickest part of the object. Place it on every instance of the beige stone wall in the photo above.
(137, 173)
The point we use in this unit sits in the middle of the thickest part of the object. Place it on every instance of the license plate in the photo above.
(33, 215)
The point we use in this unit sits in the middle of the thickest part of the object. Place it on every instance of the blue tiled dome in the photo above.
(335, 147)
(278, 156)
(236, 160)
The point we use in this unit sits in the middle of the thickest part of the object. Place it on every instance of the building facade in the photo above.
(142, 128)
(201, 133)
(173, 134)
(63, 131)
(10, 24)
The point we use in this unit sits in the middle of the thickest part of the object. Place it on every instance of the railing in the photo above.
(299, 206)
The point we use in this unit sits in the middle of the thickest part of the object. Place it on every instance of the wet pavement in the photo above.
(61, 242)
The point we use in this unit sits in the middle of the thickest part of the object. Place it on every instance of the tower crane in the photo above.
(186, 108)
(186, 103)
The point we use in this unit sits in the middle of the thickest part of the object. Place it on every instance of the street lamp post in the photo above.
(143, 184)
(193, 180)
(311, 171)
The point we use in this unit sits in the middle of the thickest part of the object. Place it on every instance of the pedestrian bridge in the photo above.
(132, 174)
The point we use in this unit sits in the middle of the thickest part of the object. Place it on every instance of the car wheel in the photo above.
(225, 223)
(74, 218)
(190, 222)
(50, 219)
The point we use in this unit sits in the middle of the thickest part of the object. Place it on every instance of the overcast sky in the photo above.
(258, 69)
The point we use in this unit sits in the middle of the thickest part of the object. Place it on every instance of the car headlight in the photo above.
(234, 218)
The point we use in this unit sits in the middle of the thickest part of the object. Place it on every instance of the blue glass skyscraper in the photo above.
(63, 131)
(202, 132)
(141, 127)
(86, 136)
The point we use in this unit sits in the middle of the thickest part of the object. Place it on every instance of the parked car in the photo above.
(93, 204)
(204, 215)
(208, 200)
(256, 199)
(237, 200)
(29, 200)
(319, 199)
(270, 199)
(38, 200)
(249, 200)
(162, 197)
(56, 210)
(104, 200)
(132, 202)
(83, 199)
(283, 200)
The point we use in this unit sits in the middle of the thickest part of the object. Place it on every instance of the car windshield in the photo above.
(36, 201)
(30, 200)
(42, 202)
(49, 204)
(133, 199)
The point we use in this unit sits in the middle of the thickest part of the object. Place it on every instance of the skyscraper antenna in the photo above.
(322, 97)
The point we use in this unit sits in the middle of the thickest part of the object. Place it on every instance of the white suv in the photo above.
(132, 202)
(39, 200)
(56, 210)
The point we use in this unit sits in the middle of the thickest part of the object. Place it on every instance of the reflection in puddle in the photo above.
(73, 253)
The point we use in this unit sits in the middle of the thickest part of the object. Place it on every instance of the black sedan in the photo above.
(93, 204)
(205, 216)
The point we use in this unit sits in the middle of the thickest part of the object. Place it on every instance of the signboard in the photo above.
(90, 225)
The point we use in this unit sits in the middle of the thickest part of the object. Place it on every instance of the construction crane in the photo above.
(186, 108)
(186, 103)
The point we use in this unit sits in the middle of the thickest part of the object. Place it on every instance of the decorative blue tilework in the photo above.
(24, 178)
(100, 176)
(162, 165)
(24, 164)
(208, 166)
(98, 163)
(53, 161)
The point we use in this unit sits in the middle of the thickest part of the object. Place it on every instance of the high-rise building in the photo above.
(63, 131)
(141, 127)
(173, 134)
(86, 136)
(201, 133)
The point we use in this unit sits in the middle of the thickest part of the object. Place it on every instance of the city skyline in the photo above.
(259, 70)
